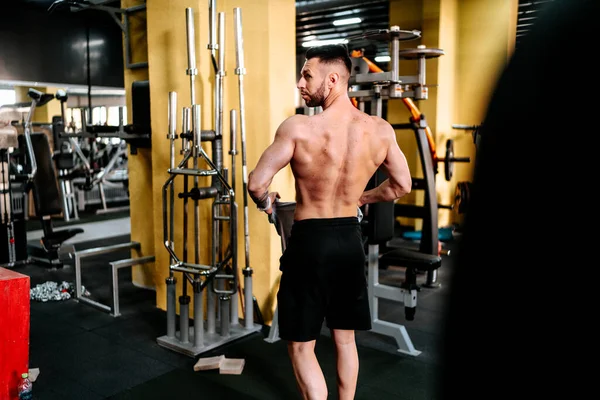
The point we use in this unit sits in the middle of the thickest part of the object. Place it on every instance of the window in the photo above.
(7, 96)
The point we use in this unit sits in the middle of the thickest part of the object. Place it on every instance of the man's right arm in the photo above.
(274, 158)
(399, 182)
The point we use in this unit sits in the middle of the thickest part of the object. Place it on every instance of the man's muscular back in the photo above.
(335, 155)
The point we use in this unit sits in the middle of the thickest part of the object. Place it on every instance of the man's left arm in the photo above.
(275, 157)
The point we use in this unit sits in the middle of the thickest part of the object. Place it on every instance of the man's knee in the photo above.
(301, 347)
(343, 337)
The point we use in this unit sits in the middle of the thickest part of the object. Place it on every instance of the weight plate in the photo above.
(411, 54)
(386, 35)
(448, 160)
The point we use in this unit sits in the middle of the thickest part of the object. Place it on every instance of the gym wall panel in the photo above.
(485, 39)
(441, 75)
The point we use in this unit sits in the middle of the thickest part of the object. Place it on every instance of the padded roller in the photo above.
(411, 259)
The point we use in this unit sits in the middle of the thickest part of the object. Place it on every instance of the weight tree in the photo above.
(219, 280)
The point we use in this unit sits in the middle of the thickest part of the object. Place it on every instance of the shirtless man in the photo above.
(332, 155)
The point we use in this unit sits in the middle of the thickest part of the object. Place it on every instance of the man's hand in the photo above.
(270, 199)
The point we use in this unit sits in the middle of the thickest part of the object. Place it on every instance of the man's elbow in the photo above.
(403, 187)
(254, 188)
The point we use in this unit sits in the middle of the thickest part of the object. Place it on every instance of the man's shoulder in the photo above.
(296, 119)
(372, 119)
(292, 125)
(379, 121)
(377, 125)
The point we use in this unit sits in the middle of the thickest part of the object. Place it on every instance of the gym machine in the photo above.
(379, 217)
(109, 180)
(219, 280)
(37, 174)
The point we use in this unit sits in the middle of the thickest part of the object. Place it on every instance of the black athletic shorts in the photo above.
(323, 278)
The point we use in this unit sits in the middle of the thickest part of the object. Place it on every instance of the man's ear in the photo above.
(334, 78)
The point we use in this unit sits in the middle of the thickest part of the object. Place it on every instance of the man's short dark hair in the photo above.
(331, 53)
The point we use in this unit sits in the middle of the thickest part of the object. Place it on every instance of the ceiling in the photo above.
(314, 21)
(529, 11)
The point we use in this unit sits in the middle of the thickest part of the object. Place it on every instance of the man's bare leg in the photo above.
(309, 376)
(347, 363)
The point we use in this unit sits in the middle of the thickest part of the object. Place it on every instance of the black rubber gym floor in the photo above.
(84, 353)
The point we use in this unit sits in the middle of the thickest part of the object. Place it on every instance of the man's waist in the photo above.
(302, 212)
(317, 223)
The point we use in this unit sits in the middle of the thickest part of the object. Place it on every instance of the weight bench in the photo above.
(412, 260)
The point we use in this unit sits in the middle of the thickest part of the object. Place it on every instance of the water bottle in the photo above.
(25, 388)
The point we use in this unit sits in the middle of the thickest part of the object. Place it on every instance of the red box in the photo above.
(14, 330)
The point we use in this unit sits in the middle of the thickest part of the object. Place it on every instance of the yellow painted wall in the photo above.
(269, 47)
(485, 32)
(477, 38)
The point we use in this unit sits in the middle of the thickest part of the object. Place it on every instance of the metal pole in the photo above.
(225, 308)
(218, 142)
(198, 316)
(184, 317)
(233, 213)
(172, 137)
(240, 71)
(191, 49)
(220, 75)
(211, 297)
(171, 304)
(212, 45)
(186, 122)
(195, 153)
(395, 61)
(184, 299)
(171, 281)
(198, 302)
